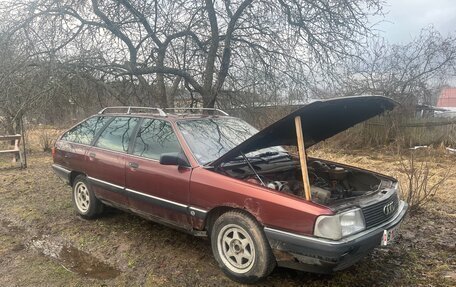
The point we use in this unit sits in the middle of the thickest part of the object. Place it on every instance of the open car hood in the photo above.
(320, 120)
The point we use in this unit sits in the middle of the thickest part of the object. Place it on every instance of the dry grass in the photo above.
(41, 138)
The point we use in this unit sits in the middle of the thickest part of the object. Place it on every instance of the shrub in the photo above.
(46, 140)
(421, 182)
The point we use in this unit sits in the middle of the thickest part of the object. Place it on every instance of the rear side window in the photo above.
(116, 136)
(154, 138)
(85, 132)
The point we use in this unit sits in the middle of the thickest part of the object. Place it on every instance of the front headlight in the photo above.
(339, 225)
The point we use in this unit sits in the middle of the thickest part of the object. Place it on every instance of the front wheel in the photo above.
(84, 200)
(240, 247)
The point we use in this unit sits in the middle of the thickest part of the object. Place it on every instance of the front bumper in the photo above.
(323, 255)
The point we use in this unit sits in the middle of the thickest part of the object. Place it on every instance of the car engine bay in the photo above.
(329, 182)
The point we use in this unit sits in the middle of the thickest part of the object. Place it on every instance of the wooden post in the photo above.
(302, 157)
(16, 148)
(24, 153)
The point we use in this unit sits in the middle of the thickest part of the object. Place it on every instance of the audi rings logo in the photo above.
(389, 208)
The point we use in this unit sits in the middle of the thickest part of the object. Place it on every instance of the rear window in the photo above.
(85, 132)
(116, 136)
(154, 138)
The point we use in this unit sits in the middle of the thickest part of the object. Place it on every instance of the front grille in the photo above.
(374, 214)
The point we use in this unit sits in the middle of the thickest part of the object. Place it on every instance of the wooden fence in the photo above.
(15, 149)
(383, 130)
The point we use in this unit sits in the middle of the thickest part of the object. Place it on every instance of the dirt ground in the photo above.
(44, 243)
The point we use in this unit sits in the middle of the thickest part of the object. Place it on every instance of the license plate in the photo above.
(389, 235)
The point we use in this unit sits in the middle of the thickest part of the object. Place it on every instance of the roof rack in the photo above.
(199, 109)
(130, 110)
(161, 112)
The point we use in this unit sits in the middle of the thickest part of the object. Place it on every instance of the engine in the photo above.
(327, 182)
(330, 177)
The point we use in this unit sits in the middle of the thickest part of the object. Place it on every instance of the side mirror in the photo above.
(174, 158)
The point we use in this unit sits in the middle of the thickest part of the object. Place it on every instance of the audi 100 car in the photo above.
(213, 175)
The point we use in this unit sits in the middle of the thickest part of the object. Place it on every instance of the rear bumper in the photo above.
(326, 256)
(62, 172)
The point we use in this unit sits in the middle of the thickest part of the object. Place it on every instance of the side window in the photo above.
(116, 136)
(85, 132)
(154, 138)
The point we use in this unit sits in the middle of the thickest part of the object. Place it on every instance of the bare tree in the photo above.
(19, 79)
(409, 73)
(200, 45)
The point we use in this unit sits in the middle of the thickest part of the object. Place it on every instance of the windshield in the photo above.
(209, 139)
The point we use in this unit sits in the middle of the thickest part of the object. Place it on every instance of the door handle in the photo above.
(133, 164)
(92, 155)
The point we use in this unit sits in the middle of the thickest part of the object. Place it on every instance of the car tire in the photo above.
(240, 247)
(84, 200)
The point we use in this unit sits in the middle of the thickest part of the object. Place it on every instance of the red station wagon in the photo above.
(215, 175)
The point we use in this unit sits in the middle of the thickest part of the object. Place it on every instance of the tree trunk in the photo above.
(148, 90)
(10, 128)
(17, 123)
(172, 94)
(161, 91)
(8, 124)
(208, 99)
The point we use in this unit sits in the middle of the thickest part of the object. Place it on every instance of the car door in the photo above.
(106, 160)
(160, 191)
(72, 147)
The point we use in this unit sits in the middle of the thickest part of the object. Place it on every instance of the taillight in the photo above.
(53, 152)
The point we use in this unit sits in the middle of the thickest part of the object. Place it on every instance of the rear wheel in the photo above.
(240, 247)
(84, 200)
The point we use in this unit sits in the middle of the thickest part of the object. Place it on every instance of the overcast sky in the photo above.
(406, 18)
